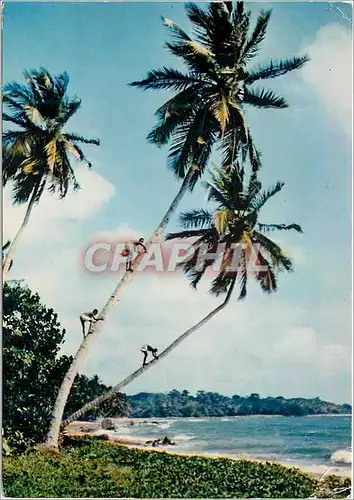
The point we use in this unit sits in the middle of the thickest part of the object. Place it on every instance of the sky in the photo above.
(295, 343)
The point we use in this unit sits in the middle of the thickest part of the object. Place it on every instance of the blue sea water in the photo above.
(296, 440)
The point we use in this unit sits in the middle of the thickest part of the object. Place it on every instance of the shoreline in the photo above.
(92, 429)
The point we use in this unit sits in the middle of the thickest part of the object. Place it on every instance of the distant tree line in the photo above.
(212, 404)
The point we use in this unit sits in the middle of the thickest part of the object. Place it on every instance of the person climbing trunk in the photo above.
(137, 373)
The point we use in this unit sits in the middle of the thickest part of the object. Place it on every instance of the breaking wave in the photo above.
(342, 456)
(183, 437)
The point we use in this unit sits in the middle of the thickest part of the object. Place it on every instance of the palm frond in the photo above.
(23, 187)
(166, 79)
(266, 278)
(253, 154)
(279, 259)
(70, 107)
(194, 275)
(15, 118)
(185, 234)
(237, 120)
(254, 186)
(279, 227)
(30, 165)
(197, 16)
(221, 283)
(257, 203)
(185, 148)
(19, 93)
(79, 138)
(198, 218)
(10, 165)
(34, 115)
(61, 84)
(177, 111)
(198, 49)
(264, 99)
(51, 151)
(242, 275)
(275, 68)
(203, 150)
(177, 33)
(221, 218)
(198, 61)
(253, 44)
(18, 141)
(221, 113)
(216, 194)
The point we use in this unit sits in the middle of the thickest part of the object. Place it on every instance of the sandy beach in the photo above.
(91, 429)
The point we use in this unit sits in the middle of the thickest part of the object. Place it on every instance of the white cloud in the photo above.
(50, 214)
(330, 72)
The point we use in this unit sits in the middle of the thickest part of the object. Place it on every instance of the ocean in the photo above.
(295, 441)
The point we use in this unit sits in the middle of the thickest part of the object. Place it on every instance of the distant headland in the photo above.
(213, 404)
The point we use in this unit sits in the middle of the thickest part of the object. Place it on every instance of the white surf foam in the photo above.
(183, 437)
(165, 425)
(342, 456)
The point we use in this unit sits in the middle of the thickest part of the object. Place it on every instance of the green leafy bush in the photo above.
(32, 338)
(93, 467)
(33, 371)
(44, 474)
(333, 487)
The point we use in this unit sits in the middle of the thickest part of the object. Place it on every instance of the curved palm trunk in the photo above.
(37, 192)
(96, 402)
(53, 434)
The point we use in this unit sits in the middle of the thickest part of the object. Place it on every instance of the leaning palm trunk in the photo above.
(117, 388)
(37, 191)
(54, 430)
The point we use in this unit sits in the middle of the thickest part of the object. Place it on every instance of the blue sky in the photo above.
(295, 343)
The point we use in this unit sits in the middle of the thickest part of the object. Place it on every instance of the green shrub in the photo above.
(33, 371)
(333, 487)
(39, 474)
(96, 468)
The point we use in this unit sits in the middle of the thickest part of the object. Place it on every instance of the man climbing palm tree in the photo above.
(234, 221)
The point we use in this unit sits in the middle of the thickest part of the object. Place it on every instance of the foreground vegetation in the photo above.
(34, 368)
(96, 468)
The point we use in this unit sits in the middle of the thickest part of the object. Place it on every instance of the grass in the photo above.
(93, 467)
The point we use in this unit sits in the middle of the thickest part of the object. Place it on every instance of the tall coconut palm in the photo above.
(233, 226)
(207, 109)
(213, 93)
(37, 151)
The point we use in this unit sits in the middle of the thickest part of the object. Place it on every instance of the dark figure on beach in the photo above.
(132, 247)
(156, 442)
(146, 349)
(89, 317)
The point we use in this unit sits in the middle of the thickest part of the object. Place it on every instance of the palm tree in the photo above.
(207, 109)
(212, 95)
(232, 226)
(36, 153)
